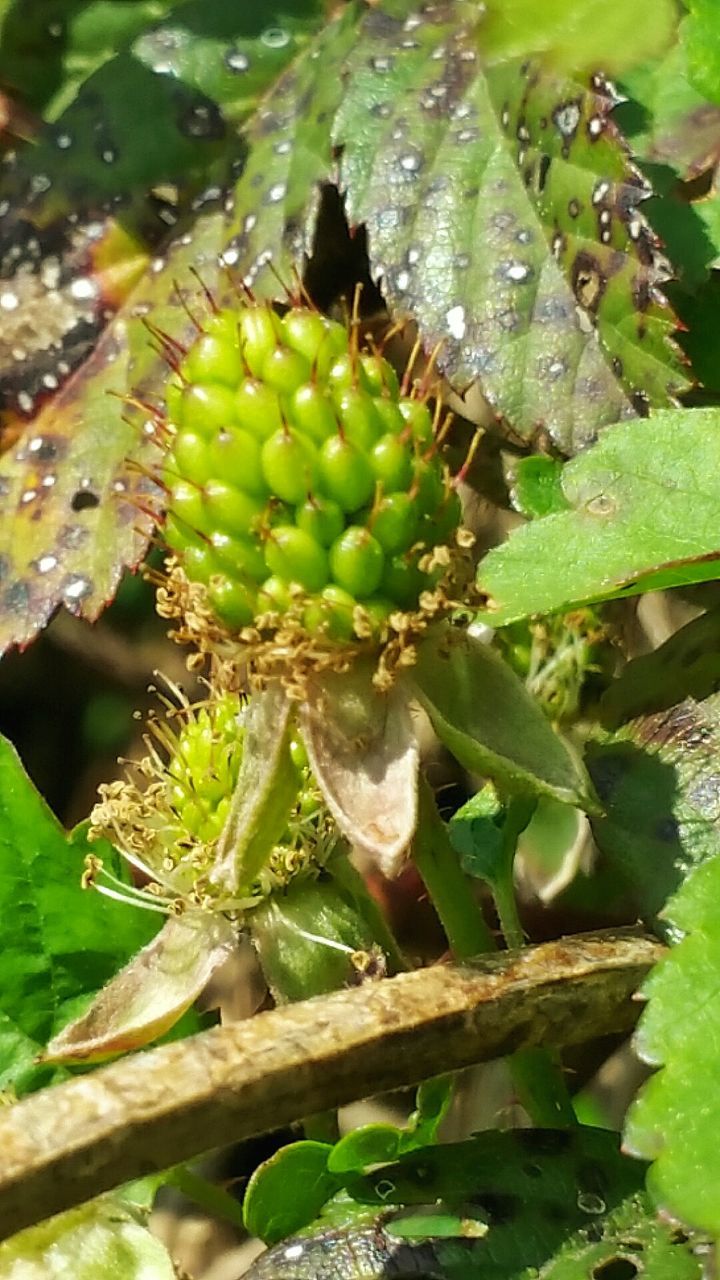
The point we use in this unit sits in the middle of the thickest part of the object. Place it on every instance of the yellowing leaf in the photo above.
(150, 994)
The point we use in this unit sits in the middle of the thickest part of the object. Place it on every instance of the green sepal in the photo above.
(267, 785)
(484, 715)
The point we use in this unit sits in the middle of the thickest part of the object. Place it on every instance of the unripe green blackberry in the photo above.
(300, 480)
(203, 769)
(171, 810)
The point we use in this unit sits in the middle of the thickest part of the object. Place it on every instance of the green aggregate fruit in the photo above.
(299, 477)
(204, 766)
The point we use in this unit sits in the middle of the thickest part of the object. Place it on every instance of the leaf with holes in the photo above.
(644, 513)
(503, 216)
(557, 1205)
(674, 1122)
(58, 942)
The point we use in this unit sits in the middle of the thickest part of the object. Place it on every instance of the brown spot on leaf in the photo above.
(588, 281)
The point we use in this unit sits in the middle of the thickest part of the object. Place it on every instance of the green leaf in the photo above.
(536, 486)
(645, 514)
(289, 142)
(374, 1144)
(431, 1106)
(106, 1239)
(502, 215)
(476, 834)
(58, 942)
(48, 49)
(701, 38)
(588, 33)
(364, 1147)
(288, 1190)
(557, 1205)
(482, 712)
(657, 779)
(363, 752)
(674, 125)
(150, 994)
(675, 132)
(675, 1119)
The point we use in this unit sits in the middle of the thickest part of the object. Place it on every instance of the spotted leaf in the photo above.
(73, 496)
(84, 197)
(290, 155)
(642, 513)
(58, 287)
(76, 505)
(502, 214)
(561, 1206)
(674, 1121)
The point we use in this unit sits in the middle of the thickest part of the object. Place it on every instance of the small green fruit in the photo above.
(357, 561)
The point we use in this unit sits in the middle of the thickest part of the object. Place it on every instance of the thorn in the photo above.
(209, 296)
(405, 385)
(474, 444)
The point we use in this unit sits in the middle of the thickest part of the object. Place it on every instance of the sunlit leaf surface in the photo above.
(643, 513)
(675, 1120)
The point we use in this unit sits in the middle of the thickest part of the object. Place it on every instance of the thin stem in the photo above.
(540, 1086)
(449, 888)
(518, 812)
(215, 1200)
(538, 1079)
(536, 1073)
